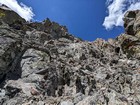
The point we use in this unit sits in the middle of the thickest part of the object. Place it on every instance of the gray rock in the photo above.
(41, 103)
(2, 92)
(41, 63)
(66, 103)
(87, 101)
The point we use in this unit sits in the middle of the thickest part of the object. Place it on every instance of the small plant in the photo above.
(2, 14)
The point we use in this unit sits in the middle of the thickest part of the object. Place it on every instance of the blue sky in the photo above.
(83, 18)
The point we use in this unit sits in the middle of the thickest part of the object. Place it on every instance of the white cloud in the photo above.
(24, 11)
(116, 11)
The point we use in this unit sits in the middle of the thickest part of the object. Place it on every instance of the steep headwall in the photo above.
(42, 64)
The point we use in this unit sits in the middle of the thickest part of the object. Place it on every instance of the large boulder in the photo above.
(130, 42)
(8, 16)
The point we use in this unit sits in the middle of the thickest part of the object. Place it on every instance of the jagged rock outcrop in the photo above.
(42, 64)
(130, 41)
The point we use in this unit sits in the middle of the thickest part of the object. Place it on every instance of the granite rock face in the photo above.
(42, 64)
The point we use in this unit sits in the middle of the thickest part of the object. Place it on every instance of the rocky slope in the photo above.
(42, 64)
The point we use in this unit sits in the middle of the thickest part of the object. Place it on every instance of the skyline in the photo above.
(87, 19)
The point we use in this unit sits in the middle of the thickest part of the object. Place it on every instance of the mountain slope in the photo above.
(42, 64)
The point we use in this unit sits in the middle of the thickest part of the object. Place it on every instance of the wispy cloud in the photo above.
(23, 10)
(116, 11)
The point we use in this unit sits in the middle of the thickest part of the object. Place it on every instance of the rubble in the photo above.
(42, 64)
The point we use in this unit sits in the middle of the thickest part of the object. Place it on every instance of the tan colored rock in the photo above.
(34, 91)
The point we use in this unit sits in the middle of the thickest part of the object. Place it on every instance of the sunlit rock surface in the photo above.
(42, 64)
